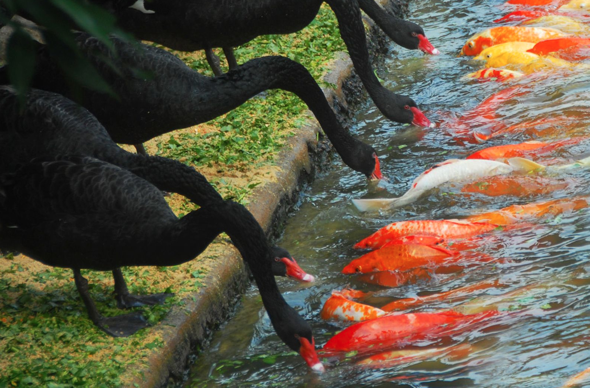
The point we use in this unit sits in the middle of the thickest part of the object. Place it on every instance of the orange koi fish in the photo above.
(415, 239)
(445, 229)
(577, 380)
(523, 149)
(394, 279)
(518, 186)
(339, 307)
(397, 257)
(496, 35)
(406, 356)
(515, 213)
(494, 74)
(408, 257)
(570, 49)
(537, 3)
(403, 304)
(393, 331)
(522, 15)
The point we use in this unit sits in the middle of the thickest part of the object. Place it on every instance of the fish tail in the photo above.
(387, 203)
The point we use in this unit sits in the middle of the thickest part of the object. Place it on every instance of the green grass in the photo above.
(46, 338)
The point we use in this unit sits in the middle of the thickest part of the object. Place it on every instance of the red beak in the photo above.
(307, 351)
(376, 175)
(419, 118)
(294, 271)
(427, 47)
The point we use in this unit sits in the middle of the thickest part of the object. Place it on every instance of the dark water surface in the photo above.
(540, 349)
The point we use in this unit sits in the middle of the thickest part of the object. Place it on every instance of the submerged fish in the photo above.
(394, 279)
(515, 213)
(523, 149)
(578, 379)
(442, 229)
(518, 186)
(560, 22)
(340, 307)
(496, 35)
(493, 73)
(544, 127)
(522, 15)
(453, 170)
(571, 48)
(405, 356)
(465, 291)
(393, 331)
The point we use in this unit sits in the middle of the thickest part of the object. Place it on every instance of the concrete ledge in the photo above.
(190, 326)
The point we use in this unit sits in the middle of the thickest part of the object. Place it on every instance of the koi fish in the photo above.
(515, 213)
(452, 170)
(394, 279)
(499, 49)
(578, 379)
(522, 15)
(570, 49)
(496, 35)
(518, 186)
(528, 63)
(403, 304)
(405, 356)
(560, 22)
(339, 307)
(536, 3)
(445, 229)
(493, 73)
(391, 331)
(408, 257)
(523, 149)
(396, 257)
(576, 5)
(543, 127)
(527, 165)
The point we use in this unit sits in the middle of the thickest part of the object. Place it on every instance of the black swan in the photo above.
(52, 125)
(82, 213)
(158, 93)
(192, 25)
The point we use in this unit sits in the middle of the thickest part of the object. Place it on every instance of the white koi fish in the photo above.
(453, 170)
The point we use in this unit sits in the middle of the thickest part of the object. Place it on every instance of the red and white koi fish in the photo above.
(340, 307)
(528, 148)
(496, 35)
(491, 73)
(443, 229)
(453, 170)
(394, 331)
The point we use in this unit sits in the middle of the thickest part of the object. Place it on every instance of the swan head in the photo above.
(285, 265)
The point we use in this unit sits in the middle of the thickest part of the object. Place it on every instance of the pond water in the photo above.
(543, 346)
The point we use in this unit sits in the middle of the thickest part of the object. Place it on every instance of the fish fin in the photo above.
(366, 205)
(387, 203)
(525, 165)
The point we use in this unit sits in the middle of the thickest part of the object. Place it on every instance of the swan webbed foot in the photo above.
(127, 301)
(122, 325)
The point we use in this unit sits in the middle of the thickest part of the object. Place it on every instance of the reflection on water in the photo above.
(543, 269)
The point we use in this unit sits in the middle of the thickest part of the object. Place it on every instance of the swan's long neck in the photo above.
(353, 33)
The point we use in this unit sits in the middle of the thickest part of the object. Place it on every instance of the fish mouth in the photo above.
(419, 118)
(426, 47)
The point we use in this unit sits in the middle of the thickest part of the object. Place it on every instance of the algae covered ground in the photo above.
(46, 338)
